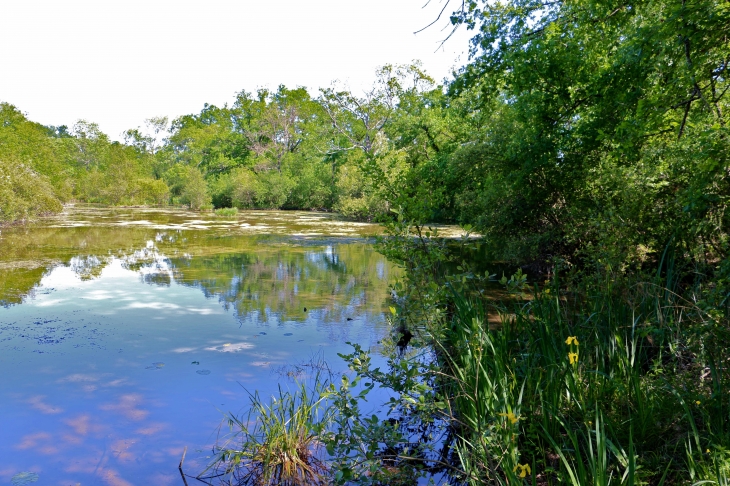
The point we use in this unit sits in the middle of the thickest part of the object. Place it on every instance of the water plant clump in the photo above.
(226, 212)
(277, 443)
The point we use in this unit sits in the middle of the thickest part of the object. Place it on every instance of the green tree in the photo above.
(607, 127)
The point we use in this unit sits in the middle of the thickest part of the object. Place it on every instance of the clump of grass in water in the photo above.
(226, 212)
(278, 442)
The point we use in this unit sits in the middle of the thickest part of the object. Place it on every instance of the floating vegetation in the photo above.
(23, 478)
(195, 362)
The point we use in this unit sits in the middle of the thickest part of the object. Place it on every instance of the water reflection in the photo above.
(123, 342)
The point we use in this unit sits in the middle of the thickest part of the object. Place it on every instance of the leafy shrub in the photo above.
(24, 193)
(274, 191)
(153, 191)
(192, 187)
(244, 188)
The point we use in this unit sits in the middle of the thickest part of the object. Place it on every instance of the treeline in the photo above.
(42, 167)
(286, 149)
(602, 138)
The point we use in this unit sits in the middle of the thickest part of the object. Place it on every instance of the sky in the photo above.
(119, 62)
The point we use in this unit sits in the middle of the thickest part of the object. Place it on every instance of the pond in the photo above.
(127, 334)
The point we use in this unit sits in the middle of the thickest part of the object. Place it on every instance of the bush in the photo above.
(244, 188)
(194, 190)
(153, 191)
(24, 193)
(275, 190)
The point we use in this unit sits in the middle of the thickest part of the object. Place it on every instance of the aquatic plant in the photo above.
(226, 212)
(278, 442)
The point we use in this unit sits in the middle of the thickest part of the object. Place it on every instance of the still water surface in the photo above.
(126, 334)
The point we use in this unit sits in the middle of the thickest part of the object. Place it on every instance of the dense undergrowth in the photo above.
(615, 386)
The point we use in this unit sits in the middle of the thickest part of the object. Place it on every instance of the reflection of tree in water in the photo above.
(279, 281)
(16, 284)
(29, 253)
(259, 277)
(162, 279)
(87, 267)
(153, 267)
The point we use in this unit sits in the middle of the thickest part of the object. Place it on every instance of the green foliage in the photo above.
(244, 188)
(23, 192)
(78, 164)
(282, 447)
(189, 187)
(30, 143)
(603, 129)
(226, 212)
(153, 191)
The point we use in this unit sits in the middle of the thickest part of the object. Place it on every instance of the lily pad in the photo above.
(203, 372)
(23, 478)
(155, 366)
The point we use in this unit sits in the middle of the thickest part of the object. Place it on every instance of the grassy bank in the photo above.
(607, 387)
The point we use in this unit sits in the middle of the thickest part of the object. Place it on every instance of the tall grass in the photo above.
(278, 441)
(617, 386)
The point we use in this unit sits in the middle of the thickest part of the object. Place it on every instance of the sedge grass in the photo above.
(277, 443)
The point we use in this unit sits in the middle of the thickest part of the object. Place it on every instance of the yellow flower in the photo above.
(698, 402)
(511, 417)
(547, 291)
(572, 339)
(524, 469)
(573, 357)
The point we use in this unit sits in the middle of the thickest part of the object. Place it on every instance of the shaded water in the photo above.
(126, 334)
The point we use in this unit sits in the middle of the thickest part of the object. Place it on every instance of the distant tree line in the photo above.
(282, 149)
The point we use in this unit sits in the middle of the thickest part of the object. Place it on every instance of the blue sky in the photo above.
(117, 63)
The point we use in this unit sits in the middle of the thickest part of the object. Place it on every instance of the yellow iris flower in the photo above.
(524, 469)
(571, 339)
(573, 357)
(511, 417)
